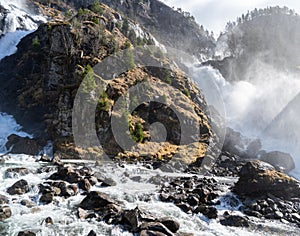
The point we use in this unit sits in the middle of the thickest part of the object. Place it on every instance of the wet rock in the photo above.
(280, 160)
(16, 172)
(3, 199)
(258, 179)
(66, 174)
(193, 201)
(5, 212)
(235, 220)
(22, 145)
(95, 200)
(26, 233)
(92, 233)
(151, 233)
(184, 207)
(45, 158)
(234, 142)
(253, 213)
(49, 221)
(59, 188)
(156, 226)
(27, 203)
(171, 224)
(209, 211)
(46, 198)
(84, 184)
(105, 182)
(20, 187)
(134, 218)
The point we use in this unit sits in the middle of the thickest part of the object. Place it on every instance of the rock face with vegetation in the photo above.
(52, 63)
(173, 28)
(258, 178)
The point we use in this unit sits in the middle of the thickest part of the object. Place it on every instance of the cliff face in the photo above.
(171, 28)
(39, 84)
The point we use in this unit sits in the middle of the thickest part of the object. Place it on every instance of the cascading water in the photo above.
(263, 105)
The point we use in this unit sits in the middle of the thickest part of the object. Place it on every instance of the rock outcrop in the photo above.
(51, 64)
(258, 179)
(281, 161)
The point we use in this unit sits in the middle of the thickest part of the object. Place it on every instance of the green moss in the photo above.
(35, 42)
(88, 84)
(129, 60)
(80, 12)
(103, 102)
(187, 92)
(97, 8)
(137, 134)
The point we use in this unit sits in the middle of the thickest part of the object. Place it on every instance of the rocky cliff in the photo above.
(171, 27)
(40, 82)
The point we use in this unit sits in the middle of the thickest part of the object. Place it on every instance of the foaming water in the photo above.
(142, 193)
(264, 105)
(18, 17)
(8, 126)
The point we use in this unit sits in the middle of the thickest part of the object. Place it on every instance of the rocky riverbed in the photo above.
(40, 196)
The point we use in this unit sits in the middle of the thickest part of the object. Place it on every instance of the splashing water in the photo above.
(9, 126)
(263, 105)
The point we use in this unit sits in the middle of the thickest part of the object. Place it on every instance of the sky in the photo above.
(214, 14)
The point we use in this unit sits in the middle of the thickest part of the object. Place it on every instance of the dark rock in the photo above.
(233, 143)
(136, 178)
(234, 220)
(253, 149)
(280, 160)
(5, 212)
(84, 184)
(66, 174)
(23, 145)
(171, 224)
(49, 221)
(150, 233)
(184, 207)
(20, 187)
(46, 198)
(209, 211)
(26, 233)
(156, 226)
(92, 233)
(193, 201)
(27, 203)
(258, 179)
(95, 200)
(253, 213)
(16, 172)
(3, 199)
(135, 217)
(107, 182)
(45, 158)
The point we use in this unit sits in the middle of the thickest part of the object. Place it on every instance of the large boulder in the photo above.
(280, 160)
(22, 145)
(20, 187)
(5, 212)
(3, 199)
(257, 179)
(96, 200)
